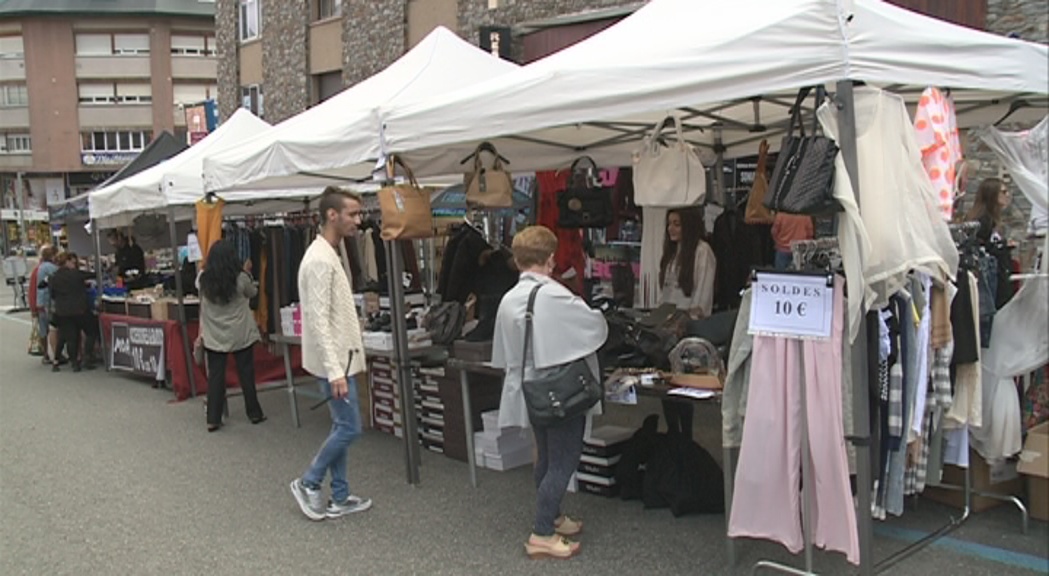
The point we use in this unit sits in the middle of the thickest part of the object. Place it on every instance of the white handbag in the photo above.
(668, 176)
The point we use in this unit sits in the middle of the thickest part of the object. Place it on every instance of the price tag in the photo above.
(193, 247)
(791, 305)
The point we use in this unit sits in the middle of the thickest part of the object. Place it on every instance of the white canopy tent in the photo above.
(735, 63)
(176, 182)
(339, 139)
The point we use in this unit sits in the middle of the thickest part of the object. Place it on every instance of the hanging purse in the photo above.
(405, 207)
(756, 212)
(488, 187)
(803, 180)
(566, 391)
(668, 176)
(583, 204)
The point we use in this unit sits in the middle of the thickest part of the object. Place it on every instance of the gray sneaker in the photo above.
(351, 505)
(310, 500)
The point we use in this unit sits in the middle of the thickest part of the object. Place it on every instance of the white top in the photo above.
(702, 298)
(330, 328)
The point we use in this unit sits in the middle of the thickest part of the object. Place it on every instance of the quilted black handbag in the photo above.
(584, 204)
(566, 391)
(803, 179)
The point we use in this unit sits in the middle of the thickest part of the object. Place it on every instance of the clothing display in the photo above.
(570, 258)
(1025, 156)
(653, 229)
(209, 223)
(739, 248)
(787, 228)
(766, 499)
(936, 127)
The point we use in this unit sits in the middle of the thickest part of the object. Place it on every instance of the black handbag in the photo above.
(803, 179)
(445, 322)
(563, 392)
(584, 204)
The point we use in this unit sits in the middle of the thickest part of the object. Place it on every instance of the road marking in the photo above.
(991, 553)
(10, 318)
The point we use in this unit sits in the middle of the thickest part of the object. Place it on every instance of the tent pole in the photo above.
(401, 358)
(180, 293)
(861, 415)
(96, 231)
(720, 194)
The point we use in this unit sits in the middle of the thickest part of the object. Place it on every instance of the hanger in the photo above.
(1013, 107)
(488, 147)
(209, 198)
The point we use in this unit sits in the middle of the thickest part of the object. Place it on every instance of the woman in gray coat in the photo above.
(228, 326)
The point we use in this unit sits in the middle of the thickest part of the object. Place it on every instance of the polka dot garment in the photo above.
(937, 130)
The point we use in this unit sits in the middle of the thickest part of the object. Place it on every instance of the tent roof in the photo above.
(339, 139)
(707, 61)
(176, 181)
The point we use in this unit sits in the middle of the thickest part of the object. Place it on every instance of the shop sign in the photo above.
(497, 40)
(138, 349)
(792, 305)
(30, 215)
(107, 158)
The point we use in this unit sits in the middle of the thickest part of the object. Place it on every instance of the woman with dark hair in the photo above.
(686, 271)
(227, 326)
(992, 197)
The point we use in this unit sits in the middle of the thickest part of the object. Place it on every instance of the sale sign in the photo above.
(138, 349)
(792, 305)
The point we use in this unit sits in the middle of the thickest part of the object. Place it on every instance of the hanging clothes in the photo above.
(1025, 155)
(209, 223)
(901, 228)
(653, 229)
(570, 257)
(739, 248)
(766, 499)
(936, 131)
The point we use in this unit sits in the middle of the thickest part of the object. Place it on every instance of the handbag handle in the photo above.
(391, 169)
(657, 130)
(528, 327)
(497, 164)
(591, 174)
(795, 114)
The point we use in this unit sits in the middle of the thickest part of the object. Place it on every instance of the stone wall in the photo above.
(285, 56)
(228, 57)
(374, 35)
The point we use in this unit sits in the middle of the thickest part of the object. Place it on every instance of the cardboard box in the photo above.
(1034, 465)
(604, 467)
(601, 486)
(508, 460)
(491, 421)
(1002, 478)
(606, 441)
(495, 443)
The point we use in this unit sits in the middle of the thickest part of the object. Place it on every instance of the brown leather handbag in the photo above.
(488, 187)
(405, 207)
(756, 212)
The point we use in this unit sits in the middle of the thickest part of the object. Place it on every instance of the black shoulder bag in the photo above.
(567, 391)
(803, 179)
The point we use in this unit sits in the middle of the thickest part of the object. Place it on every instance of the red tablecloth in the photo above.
(268, 367)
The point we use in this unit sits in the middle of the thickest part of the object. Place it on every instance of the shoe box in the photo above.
(602, 449)
(387, 406)
(485, 391)
(502, 448)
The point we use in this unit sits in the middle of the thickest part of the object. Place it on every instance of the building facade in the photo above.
(85, 86)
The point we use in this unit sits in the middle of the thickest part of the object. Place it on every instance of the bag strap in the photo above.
(795, 115)
(574, 171)
(391, 169)
(528, 327)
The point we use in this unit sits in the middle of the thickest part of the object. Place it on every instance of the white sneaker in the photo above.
(310, 500)
(351, 505)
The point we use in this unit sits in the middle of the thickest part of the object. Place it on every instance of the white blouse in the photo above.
(702, 298)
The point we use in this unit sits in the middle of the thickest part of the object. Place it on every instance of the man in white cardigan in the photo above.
(332, 351)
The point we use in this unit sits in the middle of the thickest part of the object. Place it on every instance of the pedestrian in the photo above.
(228, 327)
(564, 329)
(332, 351)
(72, 316)
(40, 299)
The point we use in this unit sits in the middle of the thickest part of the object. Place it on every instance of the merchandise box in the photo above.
(496, 443)
(472, 351)
(508, 460)
(1034, 466)
(491, 421)
(604, 467)
(599, 485)
(1001, 478)
(606, 441)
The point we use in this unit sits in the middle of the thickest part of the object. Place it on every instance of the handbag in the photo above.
(445, 322)
(488, 187)
(803, 179)
(564, 392)
(671, 175)
(198, 350)
(756, 212)
(582, 204)
(35, 348)
(405, 207)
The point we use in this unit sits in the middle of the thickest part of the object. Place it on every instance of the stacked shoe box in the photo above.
(386, 398)
(387, 415)
(429, 409)
(502, 448)
(602, 449)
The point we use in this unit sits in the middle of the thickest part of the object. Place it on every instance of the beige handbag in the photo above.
(488, 187)
(756, 212)
(405, 207)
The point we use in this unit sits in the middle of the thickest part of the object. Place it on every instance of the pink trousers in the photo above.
(766, 501)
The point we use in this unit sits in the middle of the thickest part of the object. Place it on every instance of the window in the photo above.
(97, 93)
(250, 19)
(252, 99)
(94, 44)
(16, 144)
(134, 93)
(131, 43)
(11, 47)
(328, 8)
(115, 140)
(327, 85)
(120, 93)
(192, 45)
(13, 95)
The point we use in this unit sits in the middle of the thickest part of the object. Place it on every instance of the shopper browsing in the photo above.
(565, 329)
(72, 315)
(228, 326)
(40, 301)
(688, 265)
(332, 351)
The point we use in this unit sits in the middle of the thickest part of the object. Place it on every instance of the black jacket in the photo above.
(68, 292)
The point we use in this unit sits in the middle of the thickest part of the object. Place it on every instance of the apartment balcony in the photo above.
(194, 67)
(15, 162)
(12, 68)
(112, 67)
(116, 116)
(14, 118)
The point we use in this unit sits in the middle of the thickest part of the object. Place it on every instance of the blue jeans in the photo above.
(783, 260)
(345, 429)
